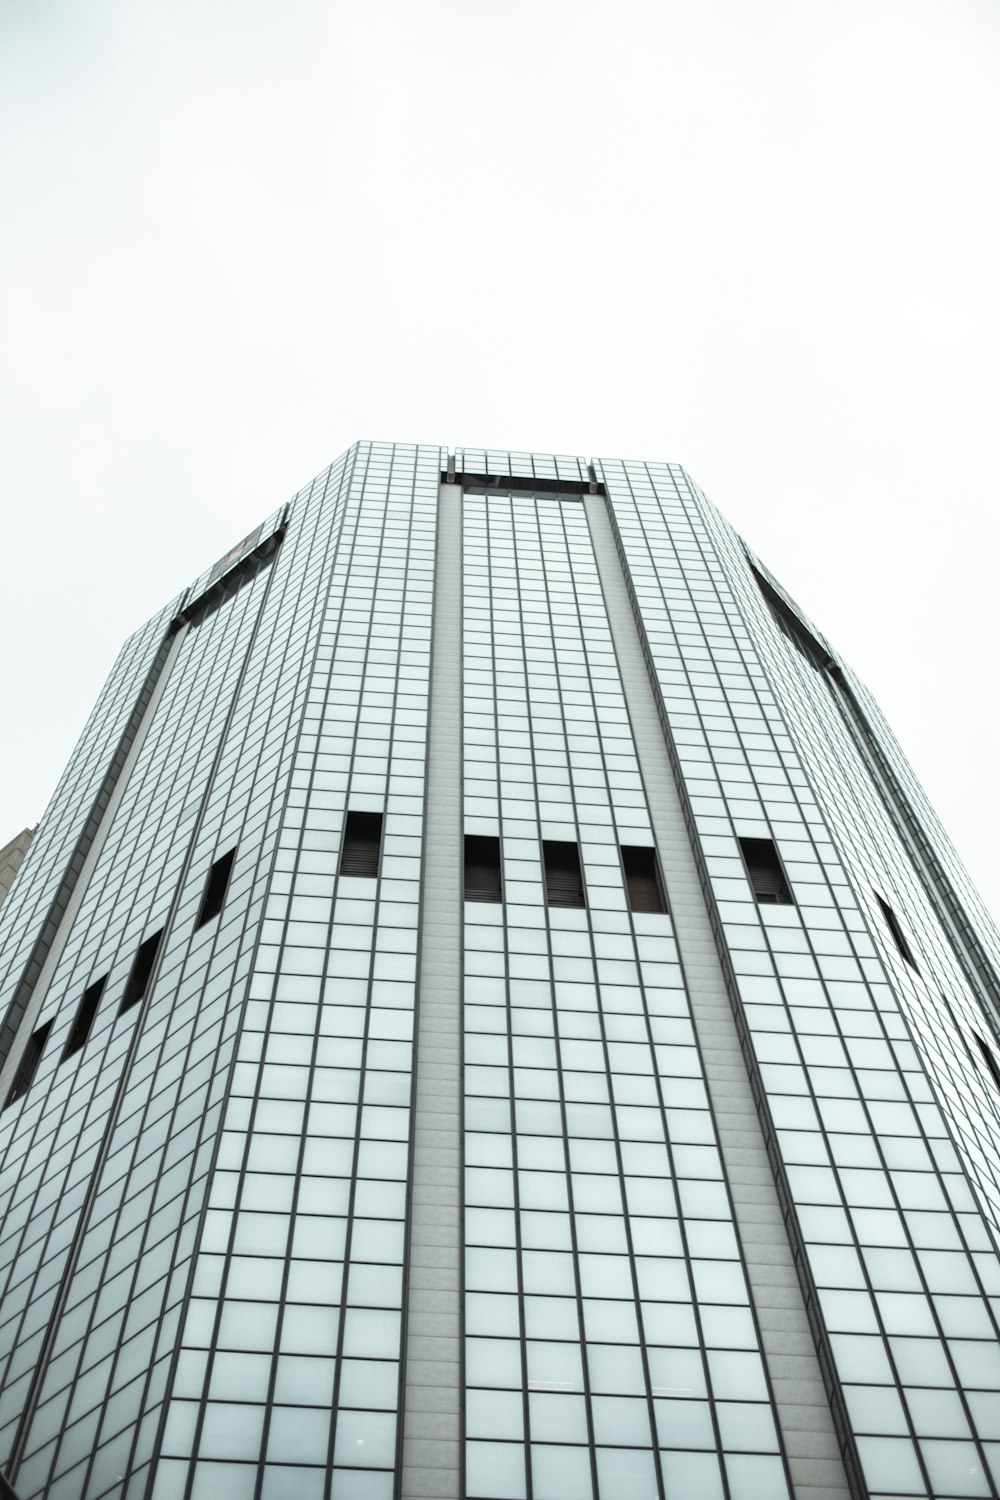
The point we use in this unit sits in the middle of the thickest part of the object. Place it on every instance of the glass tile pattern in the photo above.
(610, 1344)
(886, 1136)
(204, 1195)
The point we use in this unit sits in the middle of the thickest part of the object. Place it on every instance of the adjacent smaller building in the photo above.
(11, 856)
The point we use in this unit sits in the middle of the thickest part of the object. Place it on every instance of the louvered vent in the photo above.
(764, 872)
(362, 845)
(28, 1066)
(898, 935)
(215, 888)
(138, 980)
(563, 877)
(482, 868)
(990, 1061)
(642, 879)
(85, 1016)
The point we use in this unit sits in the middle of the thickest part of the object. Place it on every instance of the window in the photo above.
(483, 880)
(215, 888)
(362, 844)
(898, 935)
(28, 1066)
(642, 878)
(85, 1014)
(764, 872)
(992, 1067)
(138, 980)
(563, 877)
(502, 485)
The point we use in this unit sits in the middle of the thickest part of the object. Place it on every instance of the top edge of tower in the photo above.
(371, 458)
(522, 463)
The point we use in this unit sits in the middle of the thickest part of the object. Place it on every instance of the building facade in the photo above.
(489, 1012)
(11, 856)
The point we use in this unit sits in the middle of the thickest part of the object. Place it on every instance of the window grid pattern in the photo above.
(610, 1344)
(898, 1249)
(941, 1026)
(521, 465)
(942, 1012)
(66, 818)
(203, 1208)
(52, 1145)
(288, 1372)
(44, 867)
(942, 851)
(137, 1246)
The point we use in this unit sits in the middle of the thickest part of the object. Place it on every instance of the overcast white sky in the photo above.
(759, 239)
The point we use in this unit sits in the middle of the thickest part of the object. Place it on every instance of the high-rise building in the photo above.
(662, 1166)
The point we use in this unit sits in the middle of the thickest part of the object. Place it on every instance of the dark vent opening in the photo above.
(986, 1052)
(790, 625)
(216, 886)
(138, 980)
(480, 484)
(362, 844)
(28, 1066)
(85, 1014)
(642, 879)
(898, 935)
(223, 584)
(563, 876)
(764, 871)
(483, 881)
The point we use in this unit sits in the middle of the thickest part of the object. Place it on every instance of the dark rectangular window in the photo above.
(215, 888)
(85, 1014)
(483, 881)
(524, 484)
(992, 1067)
(563, 877)
(28, 1066)
(362, 844)
(764, 872)
(138, 980)
(898, 935)
(642, 878)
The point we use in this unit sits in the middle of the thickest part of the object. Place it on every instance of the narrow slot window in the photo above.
(216, 886)
(789, 623)
(362, 844)
(563, 876)
(986, 1052)
(764, 872)
(28, 1066)
(898, 935)
(86, 1011)
(483, 881)
(138, 980)
(642, 878)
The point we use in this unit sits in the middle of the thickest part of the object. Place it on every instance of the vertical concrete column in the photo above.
(432, 1381)
(811, 1445)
